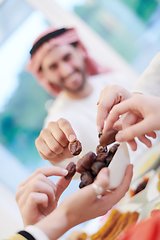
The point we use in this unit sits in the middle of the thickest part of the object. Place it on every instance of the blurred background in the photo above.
(119, 33)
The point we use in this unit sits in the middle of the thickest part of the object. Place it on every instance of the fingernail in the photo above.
(120, 137)
(71, 137)
(65, 172)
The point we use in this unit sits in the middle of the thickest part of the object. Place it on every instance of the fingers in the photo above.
(145, 140)
(117, 125)
(66, 127)
(133, 144)
(102, 179)
(61, 185)
(30, 211)
(113, 117)
(101, 116)
(36, 198)
(86, 198)
(138, 130)
(47, 146)
(108, 199)
(46, 171)
(38, 193)
(54, 139)
(152, 134)
(37, 187)
(109, 96)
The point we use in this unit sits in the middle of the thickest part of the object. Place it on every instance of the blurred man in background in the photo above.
(62, 65)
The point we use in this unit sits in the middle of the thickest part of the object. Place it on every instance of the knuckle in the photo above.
(17, 197)
(51, 124)
(49, 154)
(102, 105)
(19, 186)
(41, 135)
(35, 184)
(57, 148)
(115, 87)
(40, 176)
(42, 132)
(62, 122)
(61, 139)
(32, 196)
(37, 141)
(39, 171)
(115, 108)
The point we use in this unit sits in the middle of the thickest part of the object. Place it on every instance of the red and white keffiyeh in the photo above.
(68, 37)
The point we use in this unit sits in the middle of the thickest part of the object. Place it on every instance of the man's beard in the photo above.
(63, 87)
(83, 74)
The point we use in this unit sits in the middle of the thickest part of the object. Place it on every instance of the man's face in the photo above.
(64, 66)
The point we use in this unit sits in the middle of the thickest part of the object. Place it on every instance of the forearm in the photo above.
(55, 224)
(149, 81)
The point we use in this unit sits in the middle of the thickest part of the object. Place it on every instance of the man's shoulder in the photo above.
(58, 103)
(103, 78)
(111, 78)
(61, 104)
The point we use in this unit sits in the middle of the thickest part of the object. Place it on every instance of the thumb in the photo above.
(61, 185)
(102, 179)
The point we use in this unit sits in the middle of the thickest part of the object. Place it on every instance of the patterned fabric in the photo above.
(17, 237)
(22, 235)
(68, 37)
(27, 235)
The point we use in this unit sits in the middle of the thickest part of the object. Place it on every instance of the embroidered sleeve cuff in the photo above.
(36, 232)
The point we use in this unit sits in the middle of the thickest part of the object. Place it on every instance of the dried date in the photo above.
(96, 167)
(75, 147)
(87, 178)
(108, 137)
(101, 149)
(114, 148)
(71, 167)
(85, 162)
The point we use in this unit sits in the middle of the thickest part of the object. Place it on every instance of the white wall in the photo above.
(10, 168)
(10, 218)
(98, 48)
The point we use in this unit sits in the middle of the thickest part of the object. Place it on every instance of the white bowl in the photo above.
(118, 165)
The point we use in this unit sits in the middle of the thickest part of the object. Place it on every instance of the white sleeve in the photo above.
(149, 81)
(36, 232)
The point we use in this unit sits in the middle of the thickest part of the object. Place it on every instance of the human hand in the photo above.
(110, 96)
(142, 113)
(52, 143)
(88, 206)
(37, 196)
(84, 205)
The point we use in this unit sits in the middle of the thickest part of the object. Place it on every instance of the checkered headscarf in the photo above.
(45, 42)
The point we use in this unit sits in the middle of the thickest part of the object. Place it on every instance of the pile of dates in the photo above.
(91, 163)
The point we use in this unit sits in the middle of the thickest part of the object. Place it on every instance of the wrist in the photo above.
(136, 93)
(55, 224)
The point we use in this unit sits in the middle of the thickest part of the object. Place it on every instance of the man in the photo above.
(63, 67)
